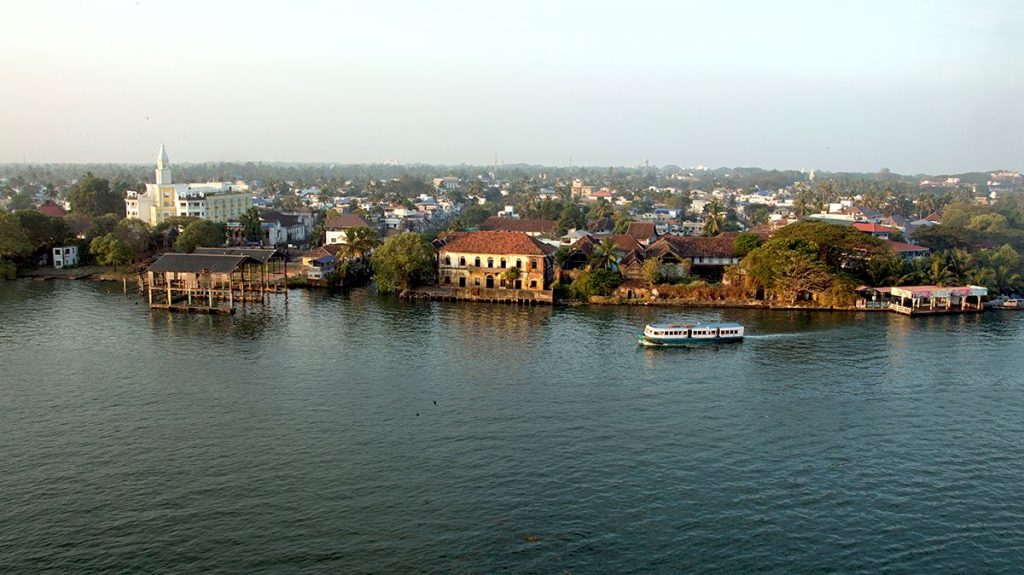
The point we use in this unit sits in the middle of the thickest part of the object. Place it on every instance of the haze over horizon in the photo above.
(914, 86)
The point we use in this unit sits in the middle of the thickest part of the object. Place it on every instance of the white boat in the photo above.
(1012, 303)
(673, 334)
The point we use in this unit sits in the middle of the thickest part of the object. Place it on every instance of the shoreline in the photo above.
(109, 274)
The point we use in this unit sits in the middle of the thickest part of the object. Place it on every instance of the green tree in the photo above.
(136, 234)
(601, 282)
(252, 228)
(94, 197)
(14, 244)
(510, 275)
(23, 200)
(202, 233)
(714, 219)
(651, 271)
(402, 262)
(746, 243)
(43, 231)
(787, 268)
(622, 225)
(110, 251)
(359, 242)
(605, 255)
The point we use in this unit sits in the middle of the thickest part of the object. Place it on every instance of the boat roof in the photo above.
(675, 325)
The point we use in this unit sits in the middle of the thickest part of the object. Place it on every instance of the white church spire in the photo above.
(163, 168)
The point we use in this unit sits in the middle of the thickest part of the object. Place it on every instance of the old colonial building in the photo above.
(484, 260)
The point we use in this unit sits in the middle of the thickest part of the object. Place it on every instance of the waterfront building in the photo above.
(65, 256)
(707, 257)
(216, 201)
(338, 226)
(482, 260)
(918, 300)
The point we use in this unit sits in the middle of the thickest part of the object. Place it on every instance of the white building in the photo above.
(65, 256)
(217, 201)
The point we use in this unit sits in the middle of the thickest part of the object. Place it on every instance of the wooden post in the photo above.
(286, 278)
(149, 286)
(231, 299)
(168, 280)
(124, 281)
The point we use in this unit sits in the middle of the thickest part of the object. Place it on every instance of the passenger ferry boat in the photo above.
(669, 334)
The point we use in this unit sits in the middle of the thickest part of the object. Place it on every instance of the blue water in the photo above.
(304, 437)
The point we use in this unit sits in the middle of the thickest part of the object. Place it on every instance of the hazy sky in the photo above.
(929, 86)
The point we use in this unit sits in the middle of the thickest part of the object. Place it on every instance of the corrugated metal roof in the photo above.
(213, 263)
(262, 255)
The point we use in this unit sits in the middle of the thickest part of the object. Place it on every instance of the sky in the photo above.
(915, 86)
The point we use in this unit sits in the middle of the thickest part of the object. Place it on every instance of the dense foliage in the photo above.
(202, 233)
(403, 262)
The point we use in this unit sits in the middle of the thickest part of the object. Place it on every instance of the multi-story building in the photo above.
(483, 259)
(217, 201)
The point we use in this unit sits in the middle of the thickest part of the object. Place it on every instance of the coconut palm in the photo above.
(359, 242)
(714, 219)
(605, 256)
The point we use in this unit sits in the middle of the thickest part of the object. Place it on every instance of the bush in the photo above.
(600, 282)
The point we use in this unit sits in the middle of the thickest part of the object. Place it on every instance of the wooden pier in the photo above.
(213, 280)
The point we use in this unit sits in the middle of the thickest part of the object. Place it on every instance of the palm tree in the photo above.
(938, 272)
(606, 255)
(511, 275)
(359, 242)
(713, 219)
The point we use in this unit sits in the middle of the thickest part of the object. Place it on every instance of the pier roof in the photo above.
(212, 263)
(262, 255)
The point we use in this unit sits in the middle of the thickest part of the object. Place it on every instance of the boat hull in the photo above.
(684, 341)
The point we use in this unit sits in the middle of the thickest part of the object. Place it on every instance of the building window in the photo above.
(476, 282)
(476, 263)
(462, 260)
(533, 284)
(502, 263)
(533, 264)
(519, 263)
(447, 261)
(447, 279)
(490, 262)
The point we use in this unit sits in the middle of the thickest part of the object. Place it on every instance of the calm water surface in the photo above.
(350, 433)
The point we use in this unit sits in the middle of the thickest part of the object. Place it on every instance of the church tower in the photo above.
(163, 168)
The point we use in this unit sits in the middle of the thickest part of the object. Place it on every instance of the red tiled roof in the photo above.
(904, 247)
(50, 208)
(494, 242)
(345, 221)
(495, 223)
(626, 243)
(872, 228)
(689, 247)
(641, 230)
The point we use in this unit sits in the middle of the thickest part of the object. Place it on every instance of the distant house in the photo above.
(530, 227)
(876, 230)
(601, 226)
(643, 232)
(708, 256)
(906, 251)
(52, 209)
(338, 226)
(321, 268)
(321, 252)
(65, 256)
(481, 259)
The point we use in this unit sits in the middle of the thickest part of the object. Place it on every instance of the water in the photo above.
(305, 438)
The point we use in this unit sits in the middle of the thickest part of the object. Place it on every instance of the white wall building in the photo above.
(65, 256)
(217, 201)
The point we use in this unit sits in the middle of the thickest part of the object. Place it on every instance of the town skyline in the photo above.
(917, 88)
